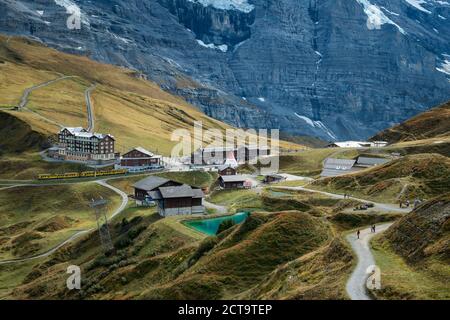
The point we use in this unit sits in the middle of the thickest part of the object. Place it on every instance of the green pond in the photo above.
(210, 226)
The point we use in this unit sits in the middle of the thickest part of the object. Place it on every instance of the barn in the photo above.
(232, 182)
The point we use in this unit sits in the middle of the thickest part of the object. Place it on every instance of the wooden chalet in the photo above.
(140, 159)
(232, 182)
(172, 198)
(227, 170)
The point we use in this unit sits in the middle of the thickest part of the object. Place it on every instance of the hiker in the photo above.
(374, 229)
(407, 203)
(358, 233)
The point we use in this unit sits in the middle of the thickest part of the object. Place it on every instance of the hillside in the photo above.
(134, 110)
(414, 254)
(147, 265)
(409, 177)
(434, 123)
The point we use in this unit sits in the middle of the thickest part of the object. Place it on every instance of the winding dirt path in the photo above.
(356, 284)
(385, 207)
(79, 233)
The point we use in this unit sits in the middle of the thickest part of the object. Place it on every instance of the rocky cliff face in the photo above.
(336, 69)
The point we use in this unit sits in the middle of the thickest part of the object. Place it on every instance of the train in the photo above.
(84, 174)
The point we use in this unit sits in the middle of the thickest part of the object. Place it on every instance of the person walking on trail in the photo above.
(358, 233)
(374, 229)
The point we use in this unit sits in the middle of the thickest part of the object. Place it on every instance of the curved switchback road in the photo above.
(79, 233)
(356, 284)
(26, 94)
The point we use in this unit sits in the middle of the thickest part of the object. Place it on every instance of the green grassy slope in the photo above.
(414, 254)
(421, 175)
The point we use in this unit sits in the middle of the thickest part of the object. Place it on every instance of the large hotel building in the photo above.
(76, 144)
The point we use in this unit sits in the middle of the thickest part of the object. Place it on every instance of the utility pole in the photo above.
(99, 207)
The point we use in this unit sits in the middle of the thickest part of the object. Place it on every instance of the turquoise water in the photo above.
(210, 226)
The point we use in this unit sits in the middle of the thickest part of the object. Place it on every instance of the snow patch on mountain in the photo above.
(222, 47)
(375, 16)
(69, 5)
(445, 65)
(317, 124)
(240, 5)
(418, 5)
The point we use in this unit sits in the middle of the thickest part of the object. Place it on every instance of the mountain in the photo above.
(302, 66)
(434, 123)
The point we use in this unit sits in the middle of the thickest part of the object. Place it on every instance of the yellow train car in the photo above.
(85, 174)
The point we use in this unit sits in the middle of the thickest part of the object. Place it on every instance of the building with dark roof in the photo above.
(336, 167)
(367, 162)
(172, 198)
(77, 144)
(139, 159)
(232, 182)
(227, 170)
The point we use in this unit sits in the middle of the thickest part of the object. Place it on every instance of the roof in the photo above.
(338, 164)
(236, 178)
(198, 193)
(183, 191)
(217, 149)
(352, 144)
(74, 130)
(367, 161)
(144, 151)
(150, 183)
(335, 172)
(226, 166)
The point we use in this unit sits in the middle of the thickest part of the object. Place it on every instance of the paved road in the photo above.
(79, 233)
(90, 108)
(26, 94)
(356, 285)
(386, 207)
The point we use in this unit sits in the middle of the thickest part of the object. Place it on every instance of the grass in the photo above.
(62, 102)
(35, 219)
(245, 256)
(27, 166)
(432, 123)
(401, 280)
(238, 200)
(307, 163)
(424, 175)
